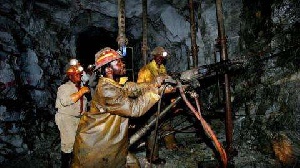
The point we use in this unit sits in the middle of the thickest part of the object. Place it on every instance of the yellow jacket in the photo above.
(150, 71)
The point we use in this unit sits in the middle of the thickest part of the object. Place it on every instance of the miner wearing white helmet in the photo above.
(102, 135)
(71, 104)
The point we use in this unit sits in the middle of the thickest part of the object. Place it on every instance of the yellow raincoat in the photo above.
(150, 71)
(148, 74)
(102, 135)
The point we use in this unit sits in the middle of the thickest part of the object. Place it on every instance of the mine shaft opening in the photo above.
(93, 39)
(90, 41)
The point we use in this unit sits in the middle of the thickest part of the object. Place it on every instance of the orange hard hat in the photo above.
(105, 56)
(75, 67)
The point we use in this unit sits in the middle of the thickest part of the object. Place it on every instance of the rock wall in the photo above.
(37, 39)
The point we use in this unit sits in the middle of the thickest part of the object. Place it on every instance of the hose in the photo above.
(205, 125)
(156, 123)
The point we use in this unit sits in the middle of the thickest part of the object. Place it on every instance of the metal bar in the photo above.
(121, 39)
(193, 34)
(141, 132)
(132, 65)
(224, 56)
(145, 32)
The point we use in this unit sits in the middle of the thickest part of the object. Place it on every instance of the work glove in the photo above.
(160, 82)
(76, 96)
(170, 89)
(85, 77)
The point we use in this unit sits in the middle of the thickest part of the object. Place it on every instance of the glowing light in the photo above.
(80, 68)
(73, 62)
(164, 54)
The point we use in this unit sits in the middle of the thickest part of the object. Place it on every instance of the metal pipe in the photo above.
(193, 34)
(141, 132)
(224, 56)
(145, 32)
(218, 78)
(121, 39)
(132, 65)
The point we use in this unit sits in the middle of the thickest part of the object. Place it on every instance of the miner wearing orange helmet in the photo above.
(102, 135)
(71, 104)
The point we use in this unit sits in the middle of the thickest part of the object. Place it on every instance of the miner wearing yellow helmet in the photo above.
(102, 135)
(70, 103)
(147, 74)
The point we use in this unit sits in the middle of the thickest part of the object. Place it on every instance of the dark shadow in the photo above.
(91, 40)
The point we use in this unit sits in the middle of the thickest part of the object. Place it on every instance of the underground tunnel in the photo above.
(93, 39)
(254, 112)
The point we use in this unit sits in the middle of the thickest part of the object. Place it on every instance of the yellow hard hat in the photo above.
(159, 51)
(105, 56)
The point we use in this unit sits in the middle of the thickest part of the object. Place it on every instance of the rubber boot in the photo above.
(66, 160)
(170, 141)
(132, 161)
(151, 146)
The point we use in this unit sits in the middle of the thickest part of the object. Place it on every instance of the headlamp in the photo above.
(80, 68)
(164, 54)
(122, 50)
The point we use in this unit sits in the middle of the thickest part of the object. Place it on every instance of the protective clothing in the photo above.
(85, 78)
(132, 161)
(148, 74)
(75, 69)
(67, 114)
(102, 135)
(105, 56)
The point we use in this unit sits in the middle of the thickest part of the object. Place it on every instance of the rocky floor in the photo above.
(189, 155)
(197, 154)
(194, 153)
